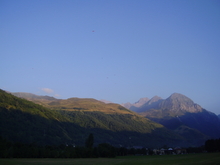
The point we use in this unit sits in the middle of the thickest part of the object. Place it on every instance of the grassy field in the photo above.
(188, 159)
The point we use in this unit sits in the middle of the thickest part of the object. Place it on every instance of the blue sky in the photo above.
(117, 50)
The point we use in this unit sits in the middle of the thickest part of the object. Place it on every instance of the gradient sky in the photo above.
(117, 50)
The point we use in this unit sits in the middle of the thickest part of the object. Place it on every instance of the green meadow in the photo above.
(187, 159)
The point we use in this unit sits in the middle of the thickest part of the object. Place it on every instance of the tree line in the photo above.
(212, 145)
(20, 150)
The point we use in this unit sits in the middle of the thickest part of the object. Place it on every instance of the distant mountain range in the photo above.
(180, 114)
(142, 103)
(175, 121)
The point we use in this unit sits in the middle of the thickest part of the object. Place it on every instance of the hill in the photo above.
(24, 121)
(70, 121)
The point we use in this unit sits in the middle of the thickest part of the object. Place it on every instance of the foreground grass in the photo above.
(188, 159)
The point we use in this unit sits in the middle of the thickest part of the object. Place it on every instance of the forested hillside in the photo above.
(71, 121)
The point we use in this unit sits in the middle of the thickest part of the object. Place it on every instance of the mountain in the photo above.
(127, 105)
(57, 121)
(153, 102)
(179, 104)
(136, 105)
(180, 114)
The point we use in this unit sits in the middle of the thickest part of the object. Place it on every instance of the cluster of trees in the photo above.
(212, 145)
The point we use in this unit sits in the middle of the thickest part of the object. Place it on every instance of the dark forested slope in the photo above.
(70, 121)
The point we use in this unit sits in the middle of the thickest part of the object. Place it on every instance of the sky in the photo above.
(117, 50)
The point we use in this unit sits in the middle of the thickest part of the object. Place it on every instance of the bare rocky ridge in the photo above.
(142, 104)
(178, 102)
(139, 103)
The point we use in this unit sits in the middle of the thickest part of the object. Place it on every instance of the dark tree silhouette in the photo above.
(89, 141)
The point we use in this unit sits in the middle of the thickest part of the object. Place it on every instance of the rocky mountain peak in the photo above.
(141, 102)
(177, 102)
(178, 95)
(154, 99)
(137, 104)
